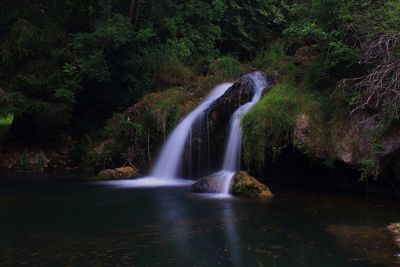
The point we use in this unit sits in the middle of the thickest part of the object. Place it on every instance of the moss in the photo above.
(246, 186)
(226, 68)
(268, 127)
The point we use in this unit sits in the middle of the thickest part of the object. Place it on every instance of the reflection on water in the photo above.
(147, 182)
(109, 225)
(231, 234)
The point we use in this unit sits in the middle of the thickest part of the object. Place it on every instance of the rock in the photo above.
(118, 173)
(209, 184)
(394, 228)
(302, 130)
(351, 142)
(245, 185)
(125, 172)
(107, 174)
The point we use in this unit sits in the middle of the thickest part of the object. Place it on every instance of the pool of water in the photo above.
(97, 224)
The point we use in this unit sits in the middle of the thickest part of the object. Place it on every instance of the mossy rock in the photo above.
(245, 185)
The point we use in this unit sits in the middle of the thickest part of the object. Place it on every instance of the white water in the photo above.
(234, 145)
(165, 172)
(167, 164)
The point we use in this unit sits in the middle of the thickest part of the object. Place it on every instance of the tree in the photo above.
(134, 12)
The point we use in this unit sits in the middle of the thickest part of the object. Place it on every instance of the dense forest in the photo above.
(116, 75)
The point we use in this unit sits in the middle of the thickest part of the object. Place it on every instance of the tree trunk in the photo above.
(134, 12)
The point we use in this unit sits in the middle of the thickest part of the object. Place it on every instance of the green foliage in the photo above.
(186, 30)
(226, 68)
(268, 126)
(6, 121)
(249, 25)
(274, 55)
(69, 65)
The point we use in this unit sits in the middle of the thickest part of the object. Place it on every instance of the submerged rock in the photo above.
(243, 185)
(118, 173)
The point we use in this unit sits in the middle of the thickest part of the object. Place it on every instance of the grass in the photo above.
(269, 125)
(227, 68)
(6, 121)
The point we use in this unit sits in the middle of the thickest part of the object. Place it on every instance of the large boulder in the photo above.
(118, 173)
(245, 185)
(242, 185)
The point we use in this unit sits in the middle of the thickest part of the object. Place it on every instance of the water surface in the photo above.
(95, 224)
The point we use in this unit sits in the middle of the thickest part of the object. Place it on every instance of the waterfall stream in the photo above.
(168, 162)
(233, 149)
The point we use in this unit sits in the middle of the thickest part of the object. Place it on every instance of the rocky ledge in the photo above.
(243, 185)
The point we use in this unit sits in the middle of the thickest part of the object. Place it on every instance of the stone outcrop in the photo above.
(118, 173)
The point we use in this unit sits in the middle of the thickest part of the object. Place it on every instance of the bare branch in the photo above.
(380, 88)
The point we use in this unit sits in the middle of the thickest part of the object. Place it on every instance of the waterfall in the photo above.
(168, 162)
(233, 153)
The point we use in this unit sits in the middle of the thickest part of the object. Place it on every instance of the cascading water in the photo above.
(233, 153)
(171, 154)
(165, 171)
